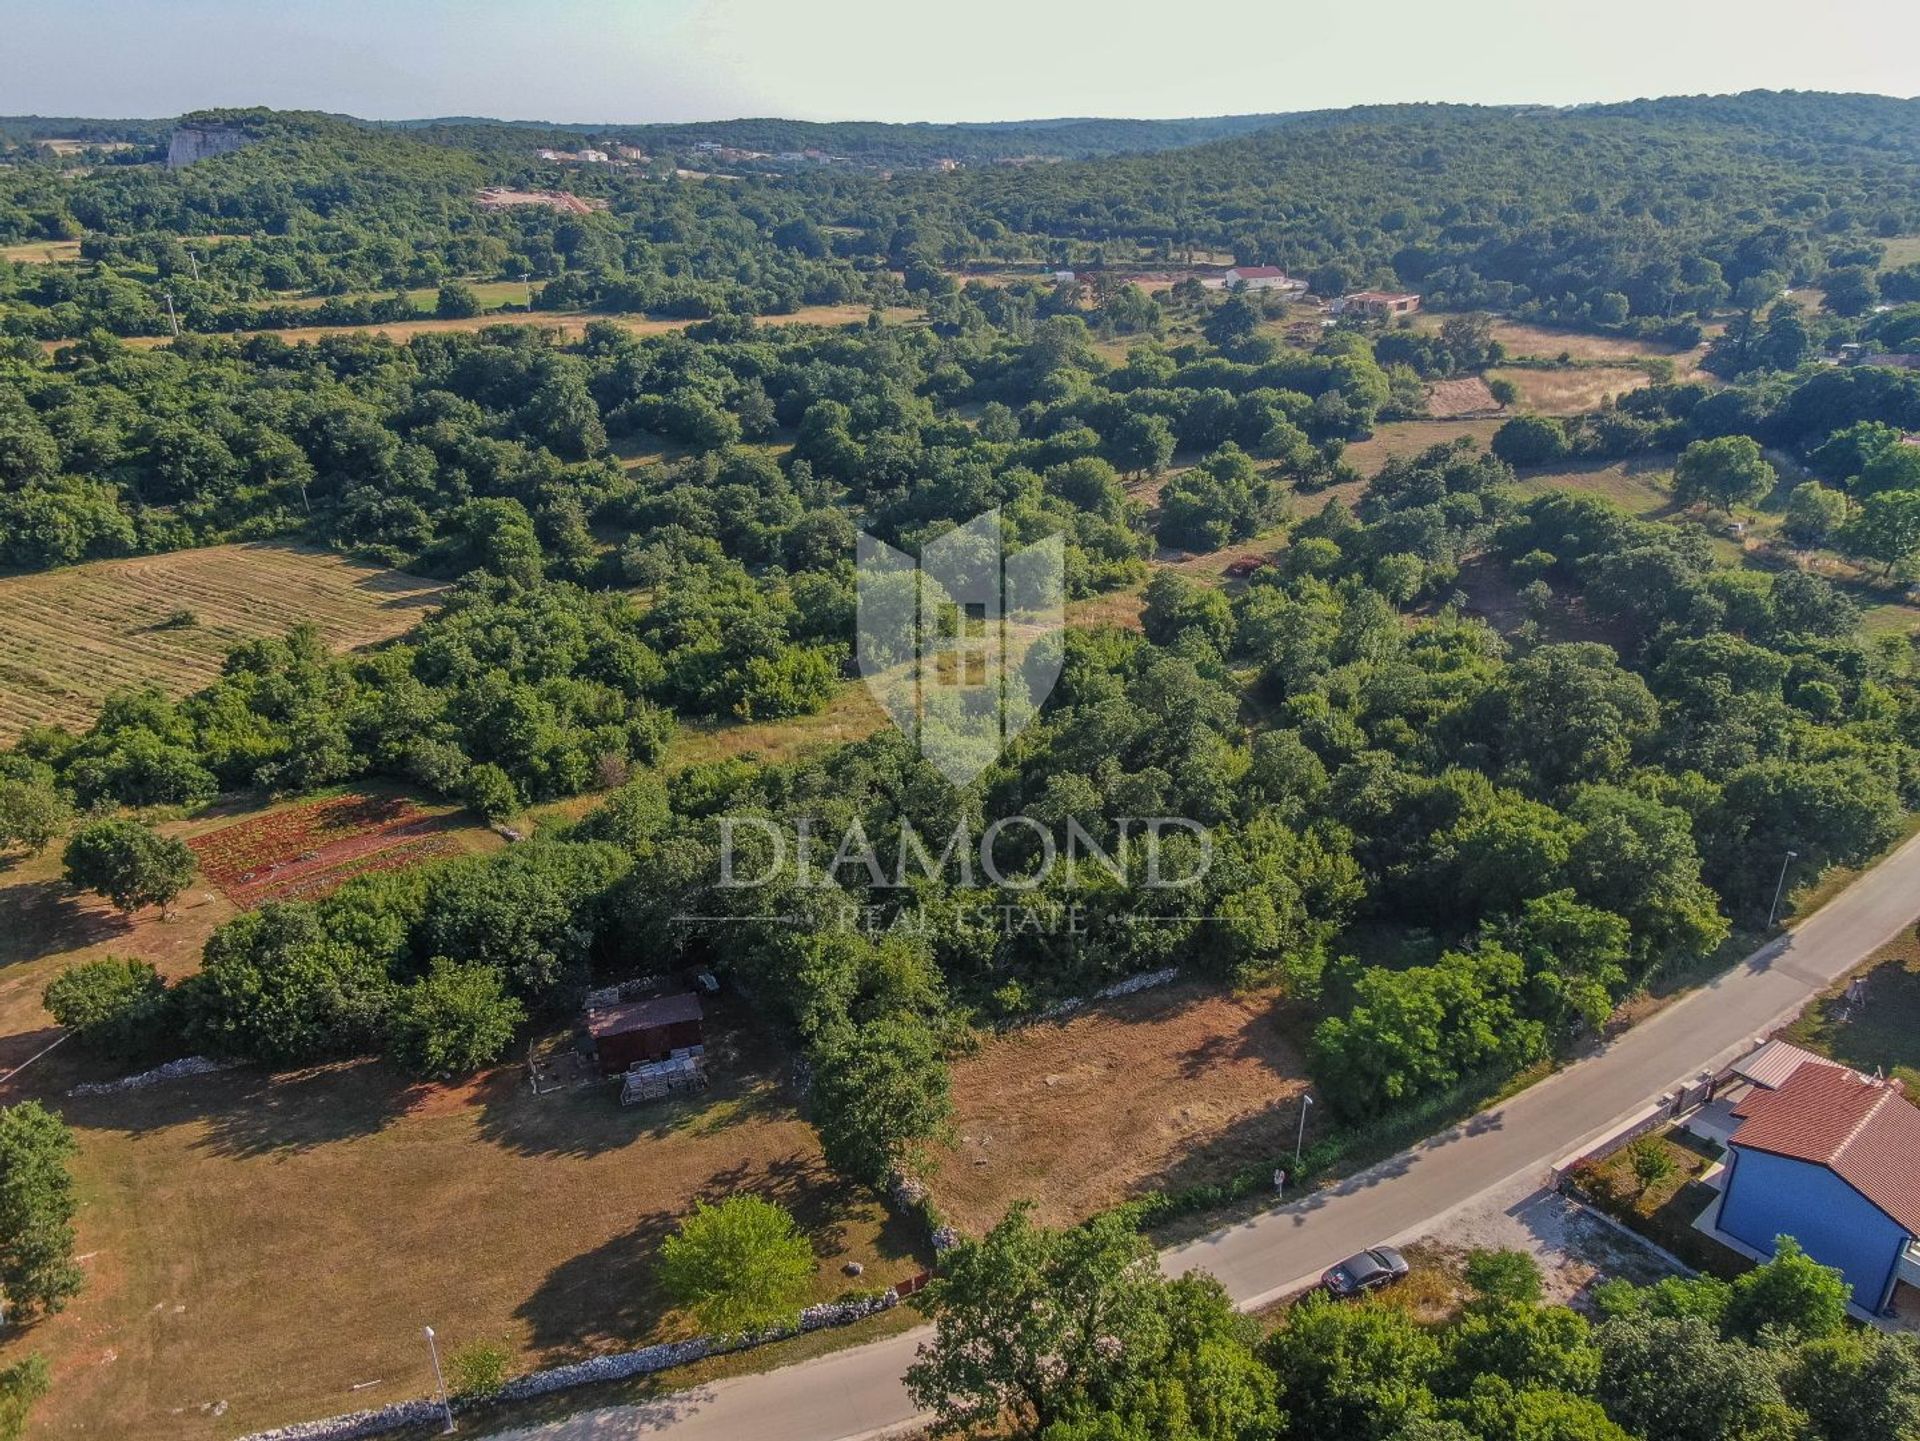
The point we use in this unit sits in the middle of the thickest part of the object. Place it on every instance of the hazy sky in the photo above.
(637, 60)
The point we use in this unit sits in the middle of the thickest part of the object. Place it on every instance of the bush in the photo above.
(453, 1020)
(119, 1009)
(130, 864)
(31, 814)
(1531, 440)
(479, 1369)
(490, 791)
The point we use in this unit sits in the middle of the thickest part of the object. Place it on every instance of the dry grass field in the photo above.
(1409, 437)
(1570, 392)
(1165, 1089)
(41, 252)
(851, 715)
(1641, 486)
(1901, 250)
(570, 324)
(264, 1249)
(1453, 399)
(260, 1248)
(76, 635)
(1547, 343)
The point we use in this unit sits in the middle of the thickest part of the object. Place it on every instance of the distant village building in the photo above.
(633, 153)
(591, 157)
(1377, 303)
(1262, 277)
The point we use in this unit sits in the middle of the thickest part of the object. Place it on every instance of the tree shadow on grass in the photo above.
(1880, 1032)
(45, 918)
(250, 1113)
(609, 1298)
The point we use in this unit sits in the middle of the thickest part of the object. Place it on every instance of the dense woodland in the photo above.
(1456, 849)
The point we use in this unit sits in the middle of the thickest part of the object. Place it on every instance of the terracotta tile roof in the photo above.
(1864, 1131)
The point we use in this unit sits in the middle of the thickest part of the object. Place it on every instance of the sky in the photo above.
(649, 60)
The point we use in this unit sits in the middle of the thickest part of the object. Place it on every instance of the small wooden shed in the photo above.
(650, 1030)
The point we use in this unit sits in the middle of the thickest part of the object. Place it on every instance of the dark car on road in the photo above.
(1368, 1271)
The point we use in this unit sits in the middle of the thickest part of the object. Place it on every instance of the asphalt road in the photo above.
(857, 1393)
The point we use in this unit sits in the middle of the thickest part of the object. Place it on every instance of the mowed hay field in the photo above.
(75, 636)
(260, 1250)
(1164, 1090)
(1570, 392)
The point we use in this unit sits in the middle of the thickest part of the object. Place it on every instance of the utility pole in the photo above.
(1301, 1139)
(1780, 887)
(168, 295)
(446, 1407)
(194, 263)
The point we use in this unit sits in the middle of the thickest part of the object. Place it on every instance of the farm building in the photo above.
(1378, 303)
(1831, 1158)
(640, 1031)
(1258, 277)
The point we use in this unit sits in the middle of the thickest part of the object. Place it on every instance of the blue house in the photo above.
(1832, 1159)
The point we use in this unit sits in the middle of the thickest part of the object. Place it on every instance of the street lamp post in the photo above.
(446, 1407)
(1779, 888)
(1301, 1139)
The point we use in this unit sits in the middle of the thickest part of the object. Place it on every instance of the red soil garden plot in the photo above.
(306, 851)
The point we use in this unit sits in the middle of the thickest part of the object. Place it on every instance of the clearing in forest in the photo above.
(1570, 392)
(79, 634)
(1161, 1090)
(265, 1249)
(307, 851)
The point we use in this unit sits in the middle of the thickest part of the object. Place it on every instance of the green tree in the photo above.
(1037, 1324)
(1675, 1378)
(453, 1020)
(739, 1266)
(1726, 471)
(490, 792)
(1531, 440)
(1814, 514)
(1792, 1293)
(1361, 1373)
(37, 1270)
(457, 300)
(877, 1092)
(130, 864)
(1143, 444)
(32, 814)
(1650, 1161)
(1858, 1385)
(116, 1008)
(1886, 528)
